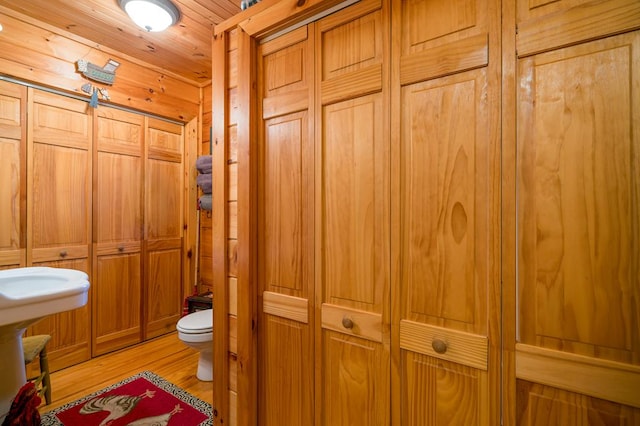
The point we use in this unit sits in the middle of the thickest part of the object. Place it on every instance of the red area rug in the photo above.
(140, 400)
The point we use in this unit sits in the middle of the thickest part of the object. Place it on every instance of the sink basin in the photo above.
(27, 295)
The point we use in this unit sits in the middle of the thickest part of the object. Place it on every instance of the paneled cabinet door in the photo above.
(59, 207)
(13, 174)
(162, 290)
(118, 224)
(578, 157)
(352, 166)
(285, 247)
(446, 317)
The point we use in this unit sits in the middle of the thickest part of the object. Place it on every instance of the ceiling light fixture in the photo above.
(151, 15)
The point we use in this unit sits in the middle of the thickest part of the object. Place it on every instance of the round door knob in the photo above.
(63, 253)
(439, 346)
(347, 323)
(121, 249)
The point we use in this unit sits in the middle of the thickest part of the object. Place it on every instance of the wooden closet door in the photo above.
(13, 174)
(118, 226)
(163, 292)
(352, 217)
(446, 318)
(59, 207)
(578, 157)
(285, 248)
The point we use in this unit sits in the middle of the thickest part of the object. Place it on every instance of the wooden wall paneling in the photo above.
(13, 174)
(118, 223)
(352, 216)
(47, 56)
(192, 136)
(164, 223)
(220, 147)
(285, 220)
(205, 262)
(59, 204)
(578, 284)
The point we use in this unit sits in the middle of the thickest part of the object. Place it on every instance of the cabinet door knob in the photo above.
(63, 253)
(347, 323)
(121, 249)
(439, 346)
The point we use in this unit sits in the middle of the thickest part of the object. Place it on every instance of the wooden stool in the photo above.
(32, 346)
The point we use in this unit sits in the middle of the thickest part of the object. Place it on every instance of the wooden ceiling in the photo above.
(184, 49)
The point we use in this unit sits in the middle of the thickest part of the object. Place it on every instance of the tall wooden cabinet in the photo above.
(99, 190)
(118, 230)
(164, 227)
(59, 199)
(577, 157)
(139, 226)
(324, 258)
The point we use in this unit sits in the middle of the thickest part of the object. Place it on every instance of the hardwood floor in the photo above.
(165, 356)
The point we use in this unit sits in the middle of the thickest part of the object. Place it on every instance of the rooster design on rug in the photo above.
(159, 420)
(117, 405)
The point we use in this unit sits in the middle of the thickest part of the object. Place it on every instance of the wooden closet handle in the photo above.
(347, 323)
(439, 346)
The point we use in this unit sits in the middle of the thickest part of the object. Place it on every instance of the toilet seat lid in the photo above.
(196, 322)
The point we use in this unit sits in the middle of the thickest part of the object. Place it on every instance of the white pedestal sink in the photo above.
(27, 295)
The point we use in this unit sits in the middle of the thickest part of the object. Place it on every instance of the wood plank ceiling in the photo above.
(184, 49)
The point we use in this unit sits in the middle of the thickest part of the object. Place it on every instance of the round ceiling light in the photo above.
(151, 15)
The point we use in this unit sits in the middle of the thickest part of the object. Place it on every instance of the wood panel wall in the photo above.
(205, 259)
(36, 52)
(531, 33)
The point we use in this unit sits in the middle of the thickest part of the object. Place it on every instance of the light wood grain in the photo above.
(220, 231)
(613, 381)
(569, 22)
(448, 63)
(185, 47)
(352, 185)
(59, 203)
(543, 405)
(13, 108)
(34, 51)
(293, 308)
(285, 245)
(463, 348)
(363, 324)
(578, 223)
(166, 356)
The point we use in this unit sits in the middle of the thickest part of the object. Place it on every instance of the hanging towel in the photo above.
(206, 202)
(204, 164)
(204, 182)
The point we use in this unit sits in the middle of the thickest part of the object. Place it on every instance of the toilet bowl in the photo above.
(196, 331)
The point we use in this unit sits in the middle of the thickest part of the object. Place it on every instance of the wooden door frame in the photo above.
(261, 20)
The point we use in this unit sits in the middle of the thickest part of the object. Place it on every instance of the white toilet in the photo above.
(196, 331)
